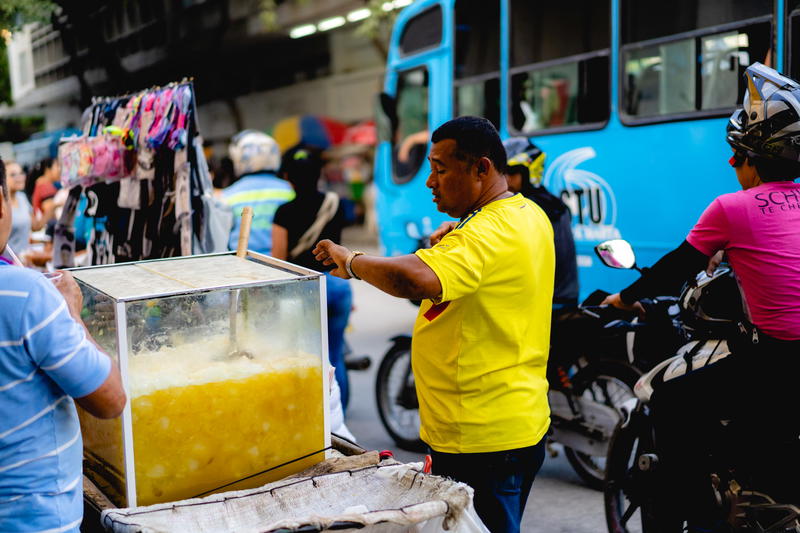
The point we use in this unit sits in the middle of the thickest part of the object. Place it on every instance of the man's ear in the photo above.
(483, 166)
(2, 201)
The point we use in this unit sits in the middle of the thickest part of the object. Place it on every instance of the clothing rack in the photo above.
(136, 174)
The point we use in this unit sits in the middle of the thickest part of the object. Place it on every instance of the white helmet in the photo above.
(768, 125)
(253, 151)
(712, 304)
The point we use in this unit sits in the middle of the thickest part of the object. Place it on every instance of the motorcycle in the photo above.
(636, 495)
(592, 369)
(591, 372)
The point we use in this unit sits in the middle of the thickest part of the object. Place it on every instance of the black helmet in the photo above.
(768, 125)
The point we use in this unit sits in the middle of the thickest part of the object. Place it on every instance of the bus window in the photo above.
(679, 66)
(477, 59)
(422, 32)
(643, 21)
(410, 143)
(480, 98)
(559, 64)
(792, 37)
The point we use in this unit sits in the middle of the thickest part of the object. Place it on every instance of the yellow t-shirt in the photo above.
(480, 355)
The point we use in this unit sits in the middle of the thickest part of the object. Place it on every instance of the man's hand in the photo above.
(328, 253)
(616, 301)
(441, 231)
(69, 289)
(714, 261)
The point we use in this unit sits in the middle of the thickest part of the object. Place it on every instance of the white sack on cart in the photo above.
(383, 498)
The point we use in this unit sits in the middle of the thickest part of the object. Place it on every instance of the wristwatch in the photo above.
(348, 265)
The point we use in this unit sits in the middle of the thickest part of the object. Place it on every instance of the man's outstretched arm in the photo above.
(405, 276)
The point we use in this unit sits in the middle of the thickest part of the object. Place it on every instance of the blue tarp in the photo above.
(40, 145)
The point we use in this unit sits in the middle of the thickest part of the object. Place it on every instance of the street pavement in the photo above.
(559, 502)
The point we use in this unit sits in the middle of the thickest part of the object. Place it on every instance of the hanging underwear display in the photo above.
(138, 163)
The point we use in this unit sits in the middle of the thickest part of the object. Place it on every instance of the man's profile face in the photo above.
(453, 182)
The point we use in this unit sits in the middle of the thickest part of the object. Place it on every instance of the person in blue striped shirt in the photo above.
(48, 361)
(256, 159)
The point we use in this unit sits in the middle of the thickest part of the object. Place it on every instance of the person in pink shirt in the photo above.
(758, 228)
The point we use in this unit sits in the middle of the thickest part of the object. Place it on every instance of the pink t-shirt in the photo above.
(760, 230)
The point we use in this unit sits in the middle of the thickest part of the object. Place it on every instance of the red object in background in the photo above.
(386, 454)
(361, 133)
(335, 130)
(428, 464)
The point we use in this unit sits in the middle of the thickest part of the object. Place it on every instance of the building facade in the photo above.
(248, 72)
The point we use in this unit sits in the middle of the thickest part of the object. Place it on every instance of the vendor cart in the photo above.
(224, 361)
(360, 491)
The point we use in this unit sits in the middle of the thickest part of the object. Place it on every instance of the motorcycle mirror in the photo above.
(616, 253)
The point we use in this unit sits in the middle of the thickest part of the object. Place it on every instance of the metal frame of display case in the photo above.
(120, 316)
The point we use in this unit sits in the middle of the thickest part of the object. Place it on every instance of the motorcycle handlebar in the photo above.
(625, 325)
(654, 310)
(592, 310)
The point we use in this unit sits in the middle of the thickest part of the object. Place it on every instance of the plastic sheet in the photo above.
(387, 497)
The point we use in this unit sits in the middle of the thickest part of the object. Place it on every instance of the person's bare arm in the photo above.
(405, 276)
(420, 137)
(280, 242)
(47, 213)
(40, 218)
(109, 399)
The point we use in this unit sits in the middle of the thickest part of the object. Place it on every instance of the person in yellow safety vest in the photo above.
(256, 159)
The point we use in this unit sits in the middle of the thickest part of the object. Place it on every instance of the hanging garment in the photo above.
(147, 197)
(212, 217)
(183, 208)
(64, 234)
(130, 194)
(145, 160)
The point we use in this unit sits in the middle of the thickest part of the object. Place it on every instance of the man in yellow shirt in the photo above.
(480, 343)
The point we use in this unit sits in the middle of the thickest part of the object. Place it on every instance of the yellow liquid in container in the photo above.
(201, 421)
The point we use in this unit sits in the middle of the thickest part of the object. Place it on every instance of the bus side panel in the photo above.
(645, 184)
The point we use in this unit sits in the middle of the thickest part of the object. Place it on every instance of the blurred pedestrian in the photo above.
(298, 225)
(481, 339)
(47, 185)
(23, 221)
(256, 159)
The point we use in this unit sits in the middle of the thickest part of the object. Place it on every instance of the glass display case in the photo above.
(224, 361)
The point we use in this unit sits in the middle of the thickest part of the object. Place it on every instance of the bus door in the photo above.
(445, 61)
(413, 103)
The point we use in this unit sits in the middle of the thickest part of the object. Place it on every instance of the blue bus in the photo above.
(628, 98)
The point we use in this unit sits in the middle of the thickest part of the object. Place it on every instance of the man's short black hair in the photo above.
(3, 177)
(475, 137)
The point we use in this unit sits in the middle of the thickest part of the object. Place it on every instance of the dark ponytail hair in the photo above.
(302, 166)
